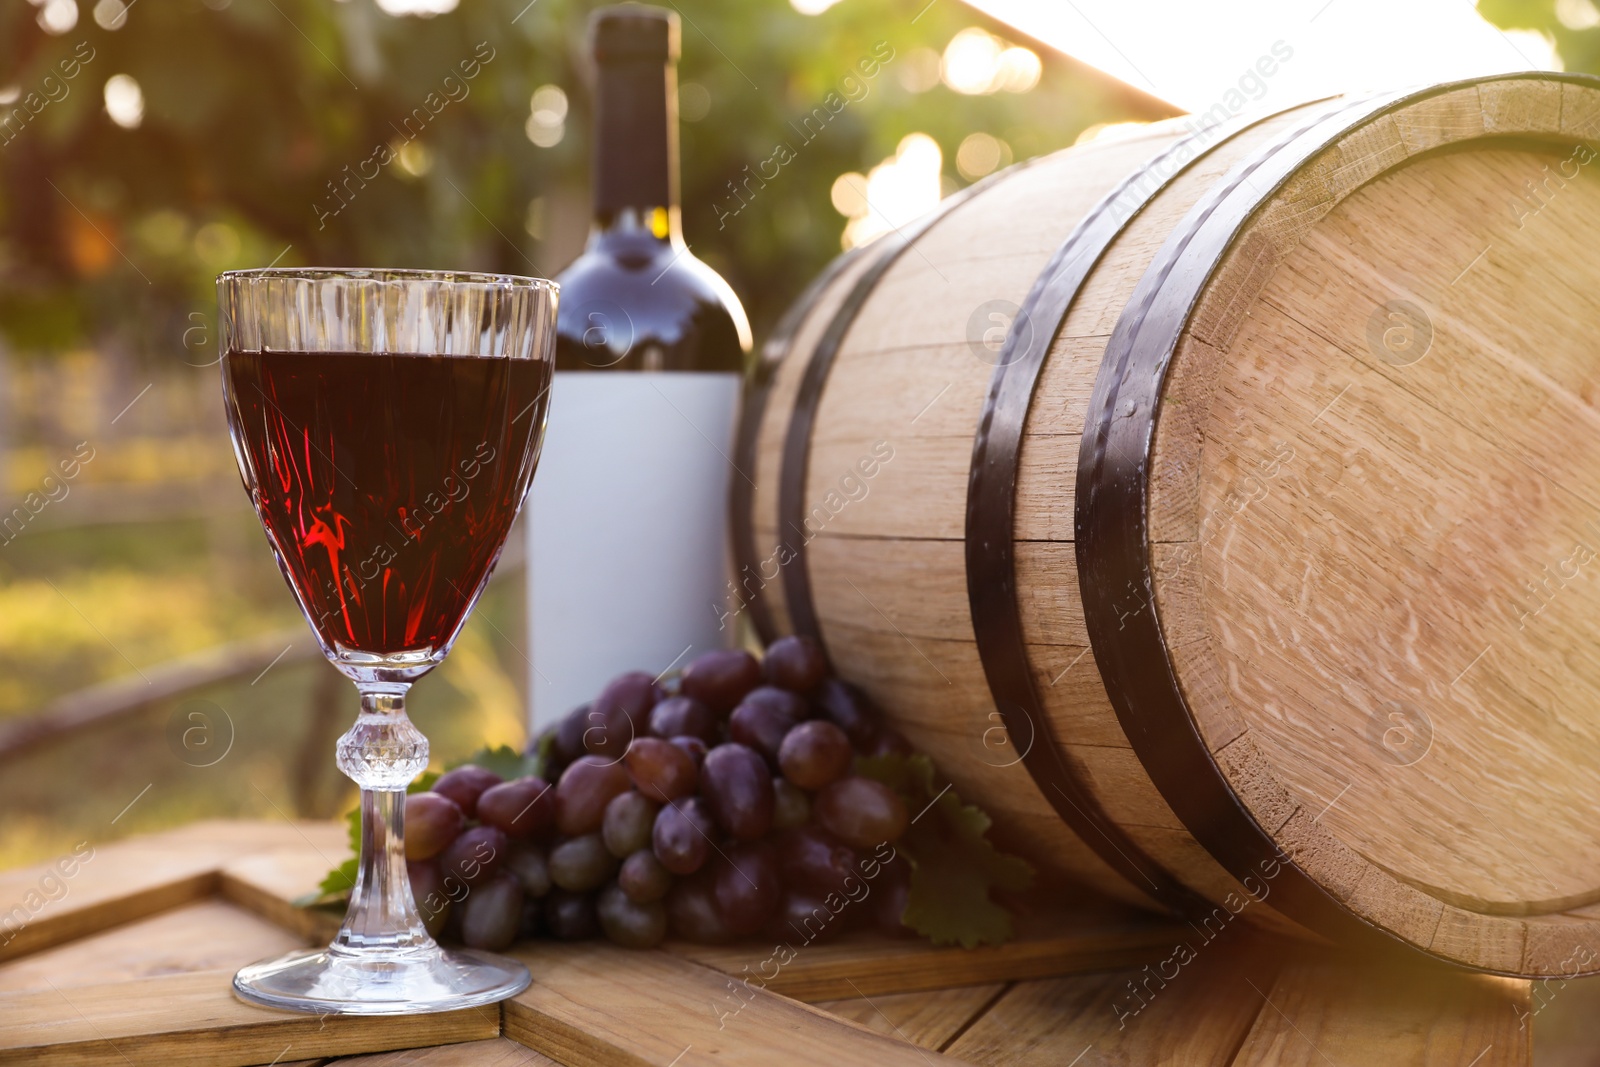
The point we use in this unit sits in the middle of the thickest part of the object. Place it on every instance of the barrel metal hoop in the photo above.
(1112, 522)
(991, 512)
(792, 532)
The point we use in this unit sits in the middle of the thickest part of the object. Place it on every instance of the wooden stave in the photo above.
(991, 508)
(1118, 880)
(1503, 970)
(828, 304)
(812, 320)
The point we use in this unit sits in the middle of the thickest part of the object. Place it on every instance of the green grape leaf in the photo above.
(352, 829)
(954, 865)
(545, 753)
(342, 879)
(334, 889)
(505, 761)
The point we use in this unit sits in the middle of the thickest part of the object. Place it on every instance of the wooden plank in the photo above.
(100, 886)
(1318, 1013)
(596, 1006)
(1192, 1013)
(496, 1052)
(194, 1020)
(1096, 938)
(1095, 935)
(1563, 1017)
(228, 838)
(208, 935)
(929, 1019)
(114, 884)
(268, 884)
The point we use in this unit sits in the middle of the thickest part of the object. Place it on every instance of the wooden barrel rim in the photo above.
(1114, 479)
(991, 511)
(741, 504)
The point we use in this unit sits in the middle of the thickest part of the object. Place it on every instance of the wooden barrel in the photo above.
(1254, 570)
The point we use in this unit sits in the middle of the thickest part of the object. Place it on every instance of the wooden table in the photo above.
(128, 962)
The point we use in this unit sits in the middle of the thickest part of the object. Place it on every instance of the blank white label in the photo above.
(627, 530)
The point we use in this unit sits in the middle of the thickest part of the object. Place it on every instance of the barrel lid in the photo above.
(1347, 433)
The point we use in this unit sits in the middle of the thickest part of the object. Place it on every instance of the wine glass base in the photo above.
(330, 981)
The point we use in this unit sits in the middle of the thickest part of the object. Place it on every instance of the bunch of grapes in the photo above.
(718, 805)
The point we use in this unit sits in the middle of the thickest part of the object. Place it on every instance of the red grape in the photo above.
(452, 924)
(532, 918)
(532, 868)
(815, 754)
(570, 916)
(847, 708)
(582, 864)
(811, 860)
(475, 855)
(861, 812)
(427, 889)
(662, 771)
(620, 713)
(682, 836)
(887, 742)
(464, 785)
(569, 734)
(761, 727)
(629, 923)
(492, 914)
(523, 807)
(747, 888)
(643, 877)
(694, 746)
(585, 789)
(692, 910)
(891, 892)
(790, 805)
(785, 703)
(683, 717)
(720, 679)
(804, 917)
(737, 787)
(795, 663)
(432, 821)
(630, 820)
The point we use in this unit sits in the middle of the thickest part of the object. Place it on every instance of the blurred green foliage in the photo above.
(252, 108)
(1574, 25)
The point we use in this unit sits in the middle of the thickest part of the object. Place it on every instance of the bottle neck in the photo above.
(636, 147)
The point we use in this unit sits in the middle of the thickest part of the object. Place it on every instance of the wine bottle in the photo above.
(627, 564)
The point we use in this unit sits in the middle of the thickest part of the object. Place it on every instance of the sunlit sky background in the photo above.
(1192, 53)
(1195, 56)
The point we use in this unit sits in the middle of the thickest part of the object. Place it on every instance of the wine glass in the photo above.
(387, 424)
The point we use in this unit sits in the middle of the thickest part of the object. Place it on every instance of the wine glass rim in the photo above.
(385, 274)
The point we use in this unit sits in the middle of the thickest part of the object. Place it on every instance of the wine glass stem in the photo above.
(382, 753)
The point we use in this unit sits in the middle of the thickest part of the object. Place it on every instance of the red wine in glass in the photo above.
(386, 483)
